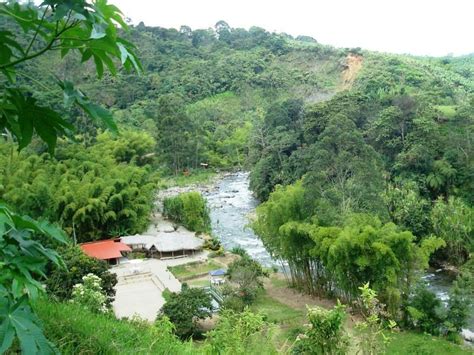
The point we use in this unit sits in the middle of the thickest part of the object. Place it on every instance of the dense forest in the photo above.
(363, 162)
(374, 133)
(202, 99)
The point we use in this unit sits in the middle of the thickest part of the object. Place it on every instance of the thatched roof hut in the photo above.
(166, 244)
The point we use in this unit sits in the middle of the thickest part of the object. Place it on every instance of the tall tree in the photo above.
(345, 173)
(175, 131)
(453, 221)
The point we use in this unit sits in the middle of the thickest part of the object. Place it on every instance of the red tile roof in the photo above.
(105, 249)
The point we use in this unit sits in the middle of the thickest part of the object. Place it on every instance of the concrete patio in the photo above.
(140, 287)
(141, 284)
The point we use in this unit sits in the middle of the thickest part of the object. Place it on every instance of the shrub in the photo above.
(218, 252)
(89, 294)
(325, 333)
(213, 244)
(425, 310)
(60, 281)
(76, 330)
(239, 251)
(372, 339)
(427, 313)
(232, 301)
(190, 209)
(173, 208)
(459, 305)
(452, 221)
(238, 333)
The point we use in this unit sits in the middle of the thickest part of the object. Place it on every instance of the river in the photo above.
(231, 202)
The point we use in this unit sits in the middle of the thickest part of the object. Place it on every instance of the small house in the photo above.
(217, 276)
(111, 250)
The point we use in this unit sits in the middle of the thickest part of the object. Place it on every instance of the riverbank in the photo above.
(231, 202)
(191, 178)
(286, 309)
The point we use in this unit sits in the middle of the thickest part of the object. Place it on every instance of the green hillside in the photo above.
(363, 164)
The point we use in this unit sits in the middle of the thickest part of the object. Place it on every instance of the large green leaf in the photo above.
(18, 319)
(21, 115)
(94, 111)
(8, 45)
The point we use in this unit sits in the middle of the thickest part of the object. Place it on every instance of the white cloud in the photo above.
(421, 27)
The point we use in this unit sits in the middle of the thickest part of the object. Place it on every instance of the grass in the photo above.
(75, 330)
(275, 311)
(289, 321)
(278, 282)
(186, 271)
(198, 176)
(202, 282)
(423, 344)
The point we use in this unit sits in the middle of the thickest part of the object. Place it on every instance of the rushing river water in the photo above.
(231, 202)
(440, 282)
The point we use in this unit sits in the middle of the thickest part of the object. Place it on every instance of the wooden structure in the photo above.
(165, 245)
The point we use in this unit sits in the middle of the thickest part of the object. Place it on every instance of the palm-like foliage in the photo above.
(88, 191)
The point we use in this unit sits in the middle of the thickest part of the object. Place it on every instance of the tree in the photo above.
(86, 28)
(425, 311)
(90, 191)
(223, 31)
(278, 138)
(308, 39)
(453, 221)
(335, 260)
(367, 251)
(388, 132)
(174, 133)
(190, 209)
(186, 31)
(345, 175)
(246, 274)
(185, 308)
(441, 177)
(460, 303)
(203, 37)
(407, 208)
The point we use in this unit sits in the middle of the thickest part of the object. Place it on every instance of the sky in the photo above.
(419, 27)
